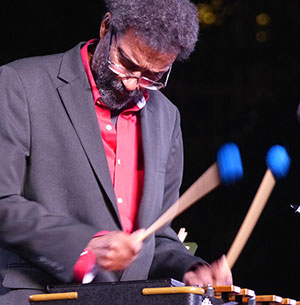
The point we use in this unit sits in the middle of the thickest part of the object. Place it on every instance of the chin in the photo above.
(115, 96)
(115, 101)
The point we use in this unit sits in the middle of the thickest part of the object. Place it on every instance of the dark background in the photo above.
(242, 85)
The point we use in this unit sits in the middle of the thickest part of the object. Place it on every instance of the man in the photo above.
(91, 152)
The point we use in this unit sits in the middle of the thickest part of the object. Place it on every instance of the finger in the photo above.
(202, 276)
(221, 272)
(205, 276)
(116, 265)
(191, 279)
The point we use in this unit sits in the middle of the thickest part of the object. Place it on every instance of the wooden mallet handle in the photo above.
(278, 162)
(253, 214)
(203, 185)
(228, 169)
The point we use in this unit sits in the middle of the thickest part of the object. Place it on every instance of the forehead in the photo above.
(140, 53)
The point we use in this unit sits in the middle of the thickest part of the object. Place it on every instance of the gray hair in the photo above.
(165, 25)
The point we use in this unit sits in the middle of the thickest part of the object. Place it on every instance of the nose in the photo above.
(132, 83)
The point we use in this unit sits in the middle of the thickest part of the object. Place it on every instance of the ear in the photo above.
(105, 24)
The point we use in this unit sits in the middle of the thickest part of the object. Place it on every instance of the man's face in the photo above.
(136, 57)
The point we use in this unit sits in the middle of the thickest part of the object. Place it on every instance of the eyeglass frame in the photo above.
(128, 74)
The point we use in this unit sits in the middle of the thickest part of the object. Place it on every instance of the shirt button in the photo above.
(120, 200)
(119, 161)
(108, 127)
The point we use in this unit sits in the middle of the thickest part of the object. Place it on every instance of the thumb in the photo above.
(137, 238)
(138, 235)
(224, 263)
(224, 270)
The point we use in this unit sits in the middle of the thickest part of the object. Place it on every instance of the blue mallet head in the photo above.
(229, 163)
(278, 161)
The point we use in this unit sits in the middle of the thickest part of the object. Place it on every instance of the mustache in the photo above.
(109, 80)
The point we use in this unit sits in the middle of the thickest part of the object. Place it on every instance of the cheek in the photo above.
(117, 84)
(108, 78)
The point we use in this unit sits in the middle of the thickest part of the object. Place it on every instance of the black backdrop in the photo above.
(233, 88)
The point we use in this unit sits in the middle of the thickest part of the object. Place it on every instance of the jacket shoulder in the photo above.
(38, 67)
(32, 65)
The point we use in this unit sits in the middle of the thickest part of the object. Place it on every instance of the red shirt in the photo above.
(123, 148)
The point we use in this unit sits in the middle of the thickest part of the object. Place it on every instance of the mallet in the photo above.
(278, 163)
(227, 170)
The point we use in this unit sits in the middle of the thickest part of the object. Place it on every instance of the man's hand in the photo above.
(217, 274)
(116, 250)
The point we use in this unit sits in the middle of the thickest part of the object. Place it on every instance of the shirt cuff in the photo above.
(86, 262)
(84, 265)
(101, 233)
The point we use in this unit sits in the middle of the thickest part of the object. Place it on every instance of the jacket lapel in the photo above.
(77, 98)
(150, 139)
(146, 209)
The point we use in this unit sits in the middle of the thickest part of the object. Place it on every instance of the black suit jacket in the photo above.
(55, 186)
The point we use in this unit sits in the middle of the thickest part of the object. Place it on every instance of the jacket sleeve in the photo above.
(26, 227)
(171, 258)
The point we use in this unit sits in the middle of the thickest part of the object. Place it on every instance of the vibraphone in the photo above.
(162, 292)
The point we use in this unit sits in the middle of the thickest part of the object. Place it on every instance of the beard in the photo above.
(113, 93)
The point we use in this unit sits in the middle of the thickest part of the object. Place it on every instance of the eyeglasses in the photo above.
(141, 80)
